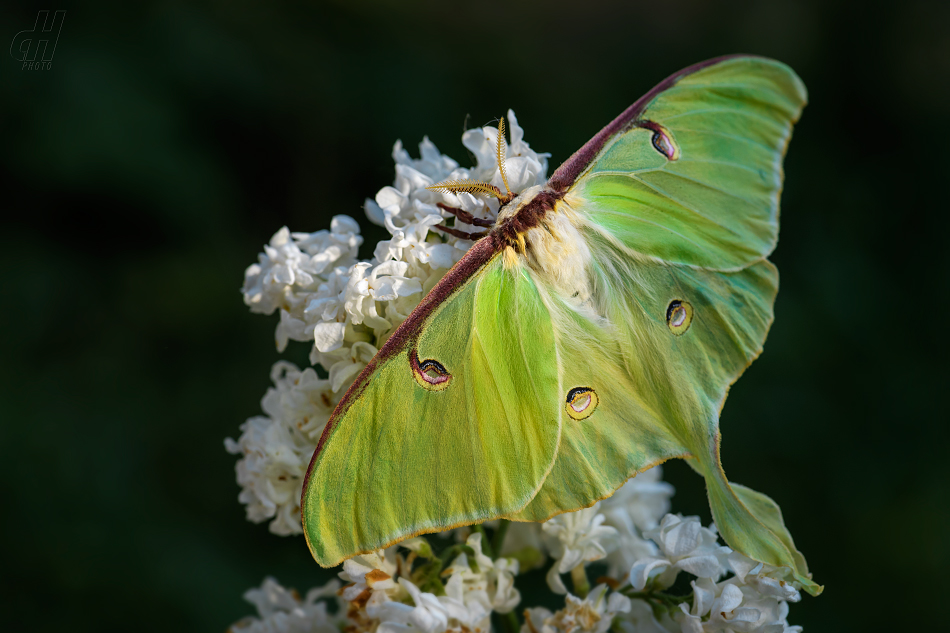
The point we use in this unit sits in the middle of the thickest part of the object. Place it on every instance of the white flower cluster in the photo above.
(385, 594)
(611, 529)
(328, 297)
(383, 600)
(594, 614)
(281, 610)
(349, 308)
(276, 448)
(753, 600)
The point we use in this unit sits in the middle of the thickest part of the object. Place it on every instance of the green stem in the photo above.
(486, 544)
(581, 584)
(674, 600)
(498, 540)
(511, 620)
(449, 553)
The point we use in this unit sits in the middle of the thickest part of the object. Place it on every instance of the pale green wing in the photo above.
(659, 390)
(678, 201)
(455, 422)
(660, 378)
(692, 172)
(680, 302)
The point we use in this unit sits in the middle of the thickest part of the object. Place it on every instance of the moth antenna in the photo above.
(502, 151)
(468, 186)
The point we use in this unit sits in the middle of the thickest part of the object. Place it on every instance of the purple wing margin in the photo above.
(574, 166)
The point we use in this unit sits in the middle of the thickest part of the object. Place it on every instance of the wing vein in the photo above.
(682, 204)
(645, 221)
(707, 186)
(732, 136)
(720, 162)
(747, 113)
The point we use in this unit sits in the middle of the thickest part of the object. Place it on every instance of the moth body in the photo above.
(545, 238)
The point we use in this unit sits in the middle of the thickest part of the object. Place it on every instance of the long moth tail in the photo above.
(751, 523)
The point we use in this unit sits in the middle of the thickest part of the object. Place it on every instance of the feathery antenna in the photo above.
(467, 186)
(502, 151)
(484, 188)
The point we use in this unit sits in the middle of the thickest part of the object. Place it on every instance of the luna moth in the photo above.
(591, 332)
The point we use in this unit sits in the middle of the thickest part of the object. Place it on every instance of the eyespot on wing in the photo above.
(679, 316)
(430, 374)
(581, 402)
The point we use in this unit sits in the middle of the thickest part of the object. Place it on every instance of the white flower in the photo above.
(301, 399)
(644, 499)
(345, 370)
(373, 572)
(374, 592)
(685, 545)
(575, 538)
(277, 448)
(433, 614)
(524, 167)
(370, 284)
(594, 614)
(270, 473)
(534, 619)
(267, 282)
(637, 506)
(642, 619)
(492, 586)
(766, 579)
(733, 609)
(427, 616)
(292, 268)
(282, 611)
(476, 586)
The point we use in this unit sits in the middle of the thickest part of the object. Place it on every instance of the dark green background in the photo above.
(143, 172)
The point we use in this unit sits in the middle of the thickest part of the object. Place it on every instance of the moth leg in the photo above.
(465, 216)
(460, 234)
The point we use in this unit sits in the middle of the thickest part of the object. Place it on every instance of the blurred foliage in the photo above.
(170, 140)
